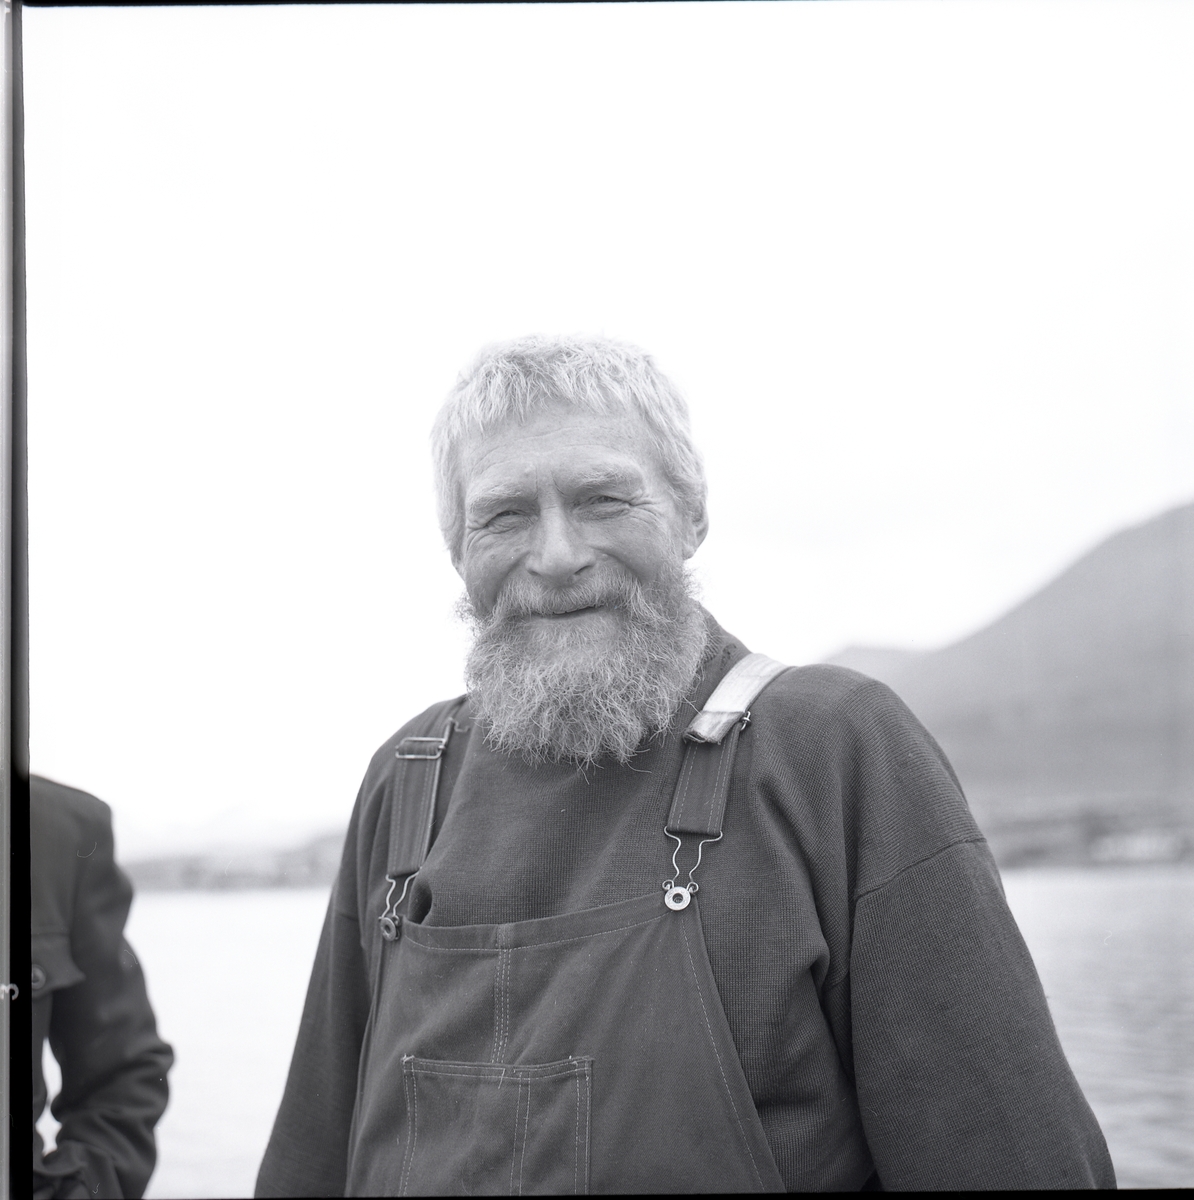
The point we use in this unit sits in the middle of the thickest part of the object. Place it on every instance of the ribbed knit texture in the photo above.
(882, 1002)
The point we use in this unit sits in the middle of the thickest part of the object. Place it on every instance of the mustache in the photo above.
(520, 599)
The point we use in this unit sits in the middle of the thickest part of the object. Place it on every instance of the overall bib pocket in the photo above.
(495, 1129)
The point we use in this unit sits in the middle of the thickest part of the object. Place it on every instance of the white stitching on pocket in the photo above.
(505, 1004)
(410, 1086)
(526, 1126)
(514, 1143)
(588, 1102)
(576, 1147)
(499, 1074)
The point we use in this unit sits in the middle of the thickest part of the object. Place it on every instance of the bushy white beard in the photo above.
(565, 694)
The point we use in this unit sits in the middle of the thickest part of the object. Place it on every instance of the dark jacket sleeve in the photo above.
(308, 1148)
(102, 1032)
(962, 1082)
(961, 1079)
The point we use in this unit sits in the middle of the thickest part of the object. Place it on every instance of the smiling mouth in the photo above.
(573, 612)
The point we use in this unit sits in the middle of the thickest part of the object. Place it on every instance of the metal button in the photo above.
(38, 979)
(677, 898)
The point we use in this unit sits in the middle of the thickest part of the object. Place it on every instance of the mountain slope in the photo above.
(1072, 716)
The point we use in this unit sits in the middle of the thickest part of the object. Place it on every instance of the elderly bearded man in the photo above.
(518, 987)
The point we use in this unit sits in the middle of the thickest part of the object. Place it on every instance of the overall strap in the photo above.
(711, 738)
(413, 790)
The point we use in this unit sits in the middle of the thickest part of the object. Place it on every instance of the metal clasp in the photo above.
(438, 742)
(389, 920)
(678, 895)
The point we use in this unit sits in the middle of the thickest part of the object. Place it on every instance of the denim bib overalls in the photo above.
(585, 1052)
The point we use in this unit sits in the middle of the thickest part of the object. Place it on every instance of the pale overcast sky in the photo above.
(924, 271)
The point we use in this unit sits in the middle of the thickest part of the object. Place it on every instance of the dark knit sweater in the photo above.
(886, 1011)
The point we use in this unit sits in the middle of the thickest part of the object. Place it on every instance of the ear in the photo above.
(694, 531)
(453, 535)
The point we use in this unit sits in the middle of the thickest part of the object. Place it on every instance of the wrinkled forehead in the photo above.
(560, 441)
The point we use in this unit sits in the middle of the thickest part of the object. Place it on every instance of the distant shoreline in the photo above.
(1041, 843)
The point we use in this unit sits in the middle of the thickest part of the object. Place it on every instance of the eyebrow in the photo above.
(498, 494)
(582, 480)
(605, 477)
(597, 477)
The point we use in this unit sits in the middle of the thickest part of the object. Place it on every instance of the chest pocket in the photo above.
(482, 1128)
(53, 966)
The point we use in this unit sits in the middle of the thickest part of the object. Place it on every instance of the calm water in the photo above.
(1114, 947)
(1115, 950)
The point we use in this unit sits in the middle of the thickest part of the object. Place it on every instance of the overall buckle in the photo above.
(429, 742)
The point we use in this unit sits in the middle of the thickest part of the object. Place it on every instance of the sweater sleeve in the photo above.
(962, 1082)
(308, 1148)
(307, 1154)
(103, 1033)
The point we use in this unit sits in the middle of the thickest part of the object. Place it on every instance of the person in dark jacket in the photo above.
(518, 987)
(89, 1000)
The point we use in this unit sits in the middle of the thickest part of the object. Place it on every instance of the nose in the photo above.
(559, 552)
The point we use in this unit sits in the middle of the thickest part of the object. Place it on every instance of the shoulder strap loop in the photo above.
(732, 698)
(412, 814)
(699, 801)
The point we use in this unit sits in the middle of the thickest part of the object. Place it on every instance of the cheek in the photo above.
(484, 570)
(645, 549)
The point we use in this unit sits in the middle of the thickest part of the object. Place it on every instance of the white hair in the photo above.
(514, 380)
(557, 695)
